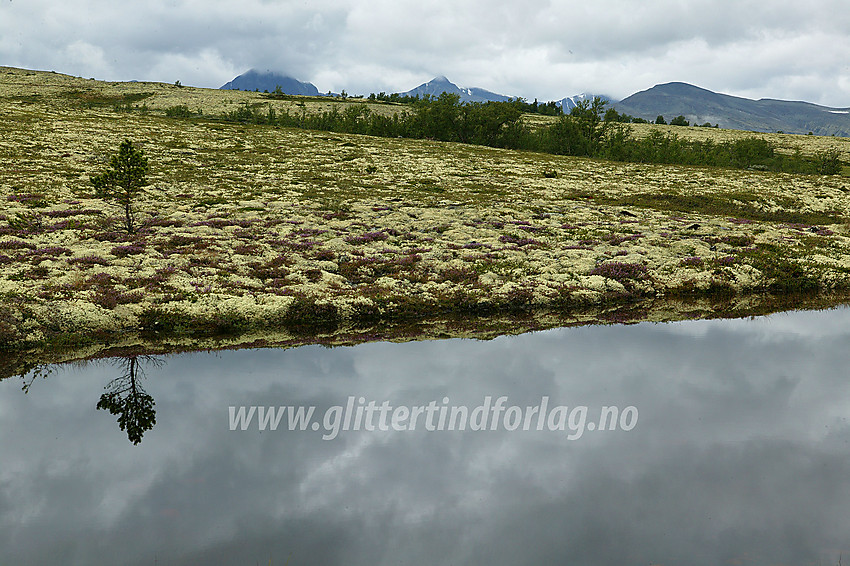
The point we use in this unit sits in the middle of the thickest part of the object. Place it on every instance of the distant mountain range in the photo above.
(439, 85)
(699, 106)
(670, 100)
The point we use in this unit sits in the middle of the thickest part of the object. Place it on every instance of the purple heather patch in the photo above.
(100, 278)
(124, 251)
(52, 251)
(113, 237)
(408, 259)
(63, 225)
(303, 245)
(179, 240)
(459, 275)
(532, 229)
(324, 255)
(366, 260)
(109, 297)
(243, 234)
(201, 288)
(726, 260)
(509, 239)
(692, 261)
(306, 232)
(367, 237)
(797, 226)
(71, 212)
(279, 287)
(215, 223)
(246, 249)
(616, 240)
(88, 260)
(16, 245)
(620, 271)
(25, 198)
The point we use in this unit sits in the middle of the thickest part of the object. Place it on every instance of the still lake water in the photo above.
(740, 453)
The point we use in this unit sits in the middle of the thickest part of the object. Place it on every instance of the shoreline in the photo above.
(127, 344)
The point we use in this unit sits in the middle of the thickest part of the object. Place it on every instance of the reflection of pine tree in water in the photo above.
(126, 398)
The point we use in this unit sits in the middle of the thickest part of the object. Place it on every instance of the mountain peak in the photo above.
(440, 84)
(570, 102)
(268, 80)
(680, 87)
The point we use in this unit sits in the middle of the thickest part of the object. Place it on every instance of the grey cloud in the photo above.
(532, 49)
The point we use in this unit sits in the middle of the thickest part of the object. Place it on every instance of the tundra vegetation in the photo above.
(249, 226)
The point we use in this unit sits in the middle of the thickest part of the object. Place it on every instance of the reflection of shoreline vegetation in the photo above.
(712, 303)
(126, 397)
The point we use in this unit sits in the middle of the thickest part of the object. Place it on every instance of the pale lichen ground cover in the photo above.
(250, 227)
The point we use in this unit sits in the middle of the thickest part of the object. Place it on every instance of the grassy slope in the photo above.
(252, 227)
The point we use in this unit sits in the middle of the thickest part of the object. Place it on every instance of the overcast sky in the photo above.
(788, 49)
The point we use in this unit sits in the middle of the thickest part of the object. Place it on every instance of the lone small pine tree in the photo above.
(124, 181)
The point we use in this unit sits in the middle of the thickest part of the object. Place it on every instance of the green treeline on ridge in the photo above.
(588, 130)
